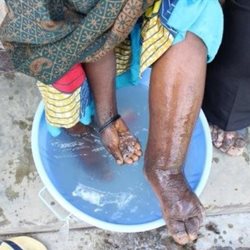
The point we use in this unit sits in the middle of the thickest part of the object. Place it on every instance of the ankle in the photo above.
(161, 162)
(153, 170)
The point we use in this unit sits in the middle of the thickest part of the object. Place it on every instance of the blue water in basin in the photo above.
(84, 178)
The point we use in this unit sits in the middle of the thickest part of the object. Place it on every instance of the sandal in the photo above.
(217, 135)
(232, 143)
(22, 243)
(239, 140)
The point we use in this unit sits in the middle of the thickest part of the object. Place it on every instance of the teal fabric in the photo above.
(131, 76)
(204, 18)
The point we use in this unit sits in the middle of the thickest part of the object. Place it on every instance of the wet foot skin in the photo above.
(122, 145)
(181, 208)
(78, 130)
(116, 138)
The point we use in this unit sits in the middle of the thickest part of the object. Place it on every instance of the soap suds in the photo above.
(101, 198)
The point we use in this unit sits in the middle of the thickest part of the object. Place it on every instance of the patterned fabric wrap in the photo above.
(44, 37)
(47, 37)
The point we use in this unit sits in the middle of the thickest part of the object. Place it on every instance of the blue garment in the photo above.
(204, 18)
(167, 7)
(131, 76)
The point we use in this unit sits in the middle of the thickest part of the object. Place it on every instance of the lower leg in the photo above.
(101, 77)
(176, 91)
(116, 138)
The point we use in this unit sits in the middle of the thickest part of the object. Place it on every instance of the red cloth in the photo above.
(71, 80)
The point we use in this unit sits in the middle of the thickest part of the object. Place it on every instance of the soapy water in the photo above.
(87, 177)
(101, 198)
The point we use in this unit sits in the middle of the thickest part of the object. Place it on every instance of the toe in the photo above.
(127, 160)
(135, 157)
(119, 162)
(214, 132)
(129, 153)
(192, 227)
(219, 139)
(228, 141)
(238, 148)
(181, 238)
(138, 152)
(178, 231)
(116, 153)
(235, 151)
(137, 146)
(118, 156)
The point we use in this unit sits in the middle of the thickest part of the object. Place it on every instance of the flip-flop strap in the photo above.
(12, 244)
(108, 122)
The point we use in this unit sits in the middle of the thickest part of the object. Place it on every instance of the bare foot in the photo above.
(181, 208)
(118, 140)
(230, 142)
(78, 130)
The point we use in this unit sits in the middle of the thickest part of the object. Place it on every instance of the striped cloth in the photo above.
(61, 109)
(123, 56)
(155, 39)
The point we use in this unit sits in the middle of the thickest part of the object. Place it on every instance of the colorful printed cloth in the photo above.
(151, 42)
(64, 110)
(47, 37)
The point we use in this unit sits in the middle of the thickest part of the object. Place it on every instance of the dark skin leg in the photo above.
(176, 91)
(78, 130)
(116, 138)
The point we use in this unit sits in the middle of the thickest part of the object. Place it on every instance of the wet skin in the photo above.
(117, 138)
(176, 91)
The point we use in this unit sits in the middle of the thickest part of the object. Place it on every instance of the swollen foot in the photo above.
(181, 208)
(118, 140)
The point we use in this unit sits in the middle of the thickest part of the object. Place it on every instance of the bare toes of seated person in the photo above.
(181, 208)
(79, 130)
(121, 143)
